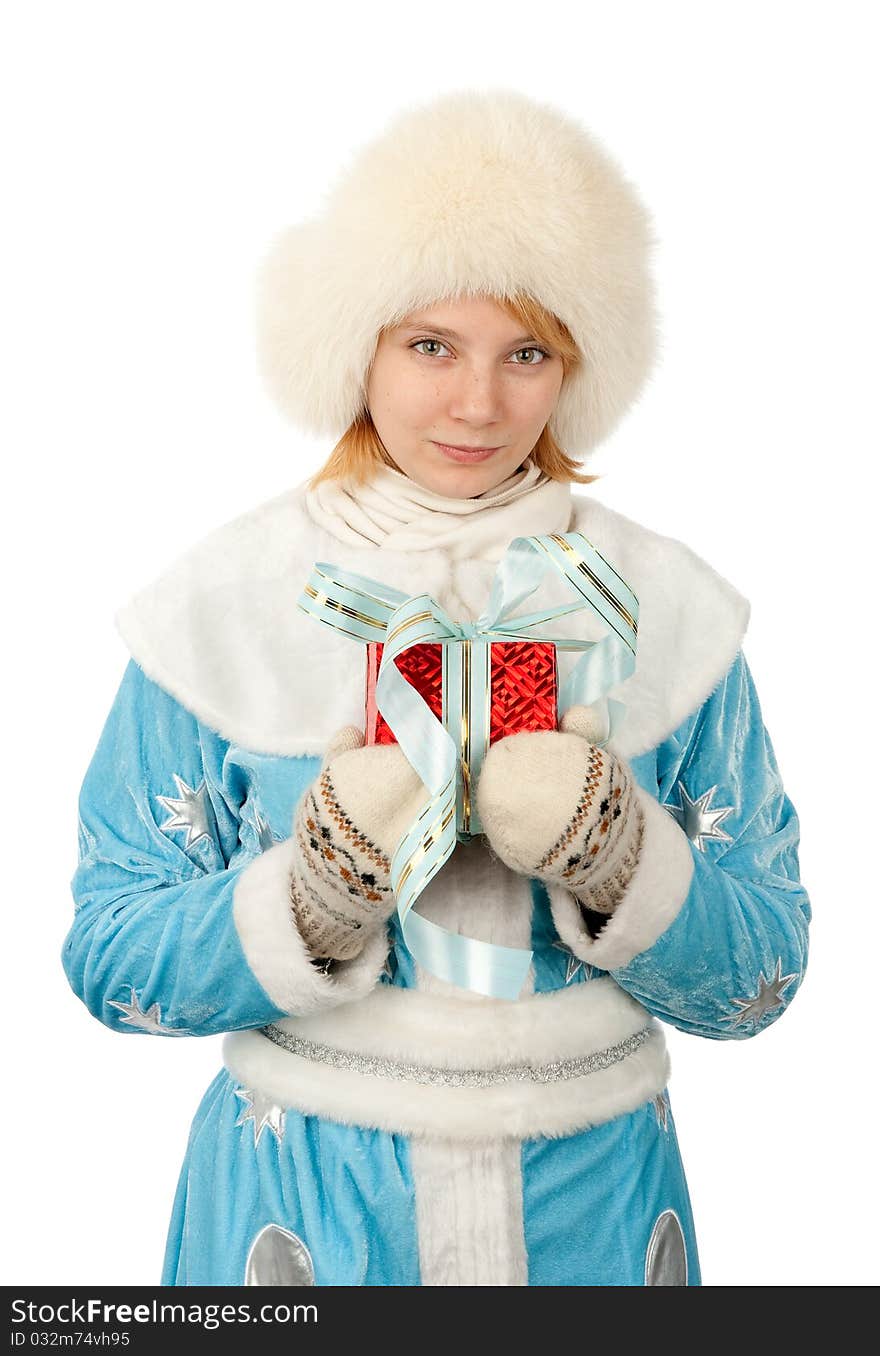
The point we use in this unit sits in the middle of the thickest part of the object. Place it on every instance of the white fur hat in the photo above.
(471, 193)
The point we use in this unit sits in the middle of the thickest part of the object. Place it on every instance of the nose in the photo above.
(477, 396)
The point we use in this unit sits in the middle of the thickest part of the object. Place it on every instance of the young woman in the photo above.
(472, 313)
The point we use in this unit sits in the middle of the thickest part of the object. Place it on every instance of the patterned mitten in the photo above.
(346, 828)
(556, 807)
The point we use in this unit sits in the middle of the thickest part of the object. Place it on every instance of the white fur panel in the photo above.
(221, 631)
(469, 1212)
(276, 953)
(653, 900)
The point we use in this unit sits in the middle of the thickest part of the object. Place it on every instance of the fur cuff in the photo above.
(278, 956)
(656, 892)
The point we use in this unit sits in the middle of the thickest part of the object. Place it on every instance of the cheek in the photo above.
(405, 396)
(415, 403)
(540, 398)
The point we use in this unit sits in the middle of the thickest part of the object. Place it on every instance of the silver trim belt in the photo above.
(457, 1078)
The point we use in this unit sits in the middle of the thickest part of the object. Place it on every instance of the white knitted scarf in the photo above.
(394, 512)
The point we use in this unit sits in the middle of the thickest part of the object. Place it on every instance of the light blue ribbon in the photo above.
(448, 754)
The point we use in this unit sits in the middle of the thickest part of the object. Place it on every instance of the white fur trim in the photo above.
(653, 899)
(411, 1027)
(457, 1033)
(469, 1212)
(221, 631)
(471, 192)
(277, 954)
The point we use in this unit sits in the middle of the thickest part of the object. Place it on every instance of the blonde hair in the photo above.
(360, 449)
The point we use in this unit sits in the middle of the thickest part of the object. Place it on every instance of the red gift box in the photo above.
(523, 686)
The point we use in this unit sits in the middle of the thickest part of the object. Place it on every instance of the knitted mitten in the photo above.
(556, 807)
(345, 829)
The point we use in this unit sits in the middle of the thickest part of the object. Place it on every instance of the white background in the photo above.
(151, 151)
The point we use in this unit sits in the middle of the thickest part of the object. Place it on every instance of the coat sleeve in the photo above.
(712, 933)
(168, 936)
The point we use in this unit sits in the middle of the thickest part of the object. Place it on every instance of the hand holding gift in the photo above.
(556, 807)
(346, 827)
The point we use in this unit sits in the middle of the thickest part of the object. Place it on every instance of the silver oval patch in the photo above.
(666, 1258)
(278, 1257)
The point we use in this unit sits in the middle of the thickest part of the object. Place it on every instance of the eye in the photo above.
(532, 349)
(427, 341)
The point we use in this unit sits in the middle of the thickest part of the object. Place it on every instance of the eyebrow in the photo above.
(450, 334)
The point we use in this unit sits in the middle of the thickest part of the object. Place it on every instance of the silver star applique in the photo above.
(265, 836)
(697, 820)
(768, 997)
(262, 1111)
(189, 812)
(661, 1108)
(574, 963)
(150, 1021)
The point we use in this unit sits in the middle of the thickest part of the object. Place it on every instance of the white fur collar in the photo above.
(221, 631)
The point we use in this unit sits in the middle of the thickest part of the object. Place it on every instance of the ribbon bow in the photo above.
(368, 610)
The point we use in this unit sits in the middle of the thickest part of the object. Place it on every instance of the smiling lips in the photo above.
(466, 454)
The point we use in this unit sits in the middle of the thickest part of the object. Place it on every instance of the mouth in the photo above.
(466, 454)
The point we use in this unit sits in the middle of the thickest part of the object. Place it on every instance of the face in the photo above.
(461, 373)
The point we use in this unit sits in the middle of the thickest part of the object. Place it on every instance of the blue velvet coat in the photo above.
(184, 803)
